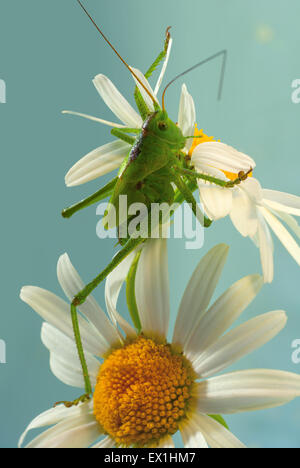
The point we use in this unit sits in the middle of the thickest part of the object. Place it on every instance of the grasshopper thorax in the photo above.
(160, 125)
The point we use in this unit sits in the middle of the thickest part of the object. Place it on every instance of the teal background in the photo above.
(49, 54)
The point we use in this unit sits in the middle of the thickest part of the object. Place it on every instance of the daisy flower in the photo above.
(110, 156)
(146, 388)
(252, 209)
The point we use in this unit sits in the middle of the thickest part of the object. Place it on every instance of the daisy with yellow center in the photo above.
(146, 387)
(252, 209)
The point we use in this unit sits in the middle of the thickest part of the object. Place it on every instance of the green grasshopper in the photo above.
(154, 165)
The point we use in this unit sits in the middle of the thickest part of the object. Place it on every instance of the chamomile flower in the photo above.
(146, 388)
(255, 210)
(252, 209)
(109, 157)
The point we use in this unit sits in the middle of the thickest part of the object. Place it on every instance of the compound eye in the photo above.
(162, 126)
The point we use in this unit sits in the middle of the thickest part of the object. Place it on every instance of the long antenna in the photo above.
(116, 52)
(203, 62)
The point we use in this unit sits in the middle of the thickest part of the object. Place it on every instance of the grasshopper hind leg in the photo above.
(78, 300)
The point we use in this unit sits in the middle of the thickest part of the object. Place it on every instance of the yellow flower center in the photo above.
(143, 392)
(204, 139)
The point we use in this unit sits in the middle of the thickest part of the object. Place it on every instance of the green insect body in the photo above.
(146, 177)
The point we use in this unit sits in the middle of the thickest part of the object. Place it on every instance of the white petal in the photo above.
(266, 248)
(166, 442)
(78, 432)
(216, 435)
(108, 442)
(283, 235)
(199, 292)
(145, 95)
(222, 157)
(187, 115)
(217, 201)
(113, 285)
(247, 391)
(164, 67)
(222, 315)
(57, 312)
(152, 288)
(64, 360)
(239, 342)
(209, 170)
(191, 434)
(54, 416)
(116, 102)
(244, 214)
(94, 119)
(72, 284)
(253, 189)
(289, 221)
(101, 161)
(282, 201)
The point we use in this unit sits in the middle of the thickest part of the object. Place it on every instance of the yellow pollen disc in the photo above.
(143, 392)
(204, 139)
(197, 141)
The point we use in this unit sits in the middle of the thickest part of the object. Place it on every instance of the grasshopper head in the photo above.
(166, 129)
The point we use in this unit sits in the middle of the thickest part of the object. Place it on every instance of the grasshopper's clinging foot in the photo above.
(241, 177)
(69, 404)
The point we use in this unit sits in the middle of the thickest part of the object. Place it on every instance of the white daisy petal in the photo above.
(209, 170)
(239, 342)
(98, 162)
(266, 247)
(187, 115)
(72, 284)
(247, 391)
(166, 442)
(108, 442)
(64, 360)
(57, 312)
(191, 434)
(217, 201)
(164, 67)
(282, 201)
(152, 288)
(54, 416)
(289, 221)
(244, 214)
(145, 95)
(199, 292)
(113, 285)
(78, 432)
(283, 235)
(253, 189)
(222, 157)
(116, 102)
(94, 119)
(217, 436)
(222, 315)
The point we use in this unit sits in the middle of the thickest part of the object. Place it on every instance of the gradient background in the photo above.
(49, 54)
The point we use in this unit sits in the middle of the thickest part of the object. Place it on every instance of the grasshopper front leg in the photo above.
(221, 183)
(79, 299)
